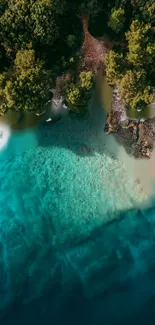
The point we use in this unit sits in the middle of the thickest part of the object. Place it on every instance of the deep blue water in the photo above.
(74, 247)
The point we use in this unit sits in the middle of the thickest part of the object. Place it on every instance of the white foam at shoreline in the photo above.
(5, 133)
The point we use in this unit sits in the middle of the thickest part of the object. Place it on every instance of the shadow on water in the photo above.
(105, 278)
(81, 133)
(93, 282)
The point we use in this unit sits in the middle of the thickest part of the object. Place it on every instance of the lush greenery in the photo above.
(77, 92)
(117, 19)
(132, 67)
(41, 39)
(26, 85)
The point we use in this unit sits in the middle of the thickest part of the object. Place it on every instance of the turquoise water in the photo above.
(70, 227)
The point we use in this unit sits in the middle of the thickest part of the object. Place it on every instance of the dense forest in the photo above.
(41, 43)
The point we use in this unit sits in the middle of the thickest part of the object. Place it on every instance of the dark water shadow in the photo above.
(107, 296)
(93, 302)
(81, 133)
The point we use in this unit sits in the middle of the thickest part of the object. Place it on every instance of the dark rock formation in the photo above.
(112, 122)
(146, 139)
(137, 137)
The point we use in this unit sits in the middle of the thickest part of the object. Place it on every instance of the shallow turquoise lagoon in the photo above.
(69, 218)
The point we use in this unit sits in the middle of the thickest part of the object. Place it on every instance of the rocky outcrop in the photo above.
(146, 139)
(116, 118)
(112, 122)
(137, 137)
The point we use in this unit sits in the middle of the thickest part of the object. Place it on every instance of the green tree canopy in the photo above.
(133, 70)
(26, 85)
(114, 67)
(25, 21)
(134, 90)
(141, 44)
(78, 92)
(117, 19)
(51, 30)
(144, 10)
(86, 7)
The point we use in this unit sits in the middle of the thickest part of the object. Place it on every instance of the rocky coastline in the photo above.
(136, 136)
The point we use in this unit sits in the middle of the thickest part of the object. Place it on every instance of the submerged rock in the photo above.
(85, 148)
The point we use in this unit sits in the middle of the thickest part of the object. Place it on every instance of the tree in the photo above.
(71, 41)
(149, 12)
(15, 25)
(78, 92)
(133, 71)
(86, 7)
(117, 19)
(141, 48)
(3, 5)
(26, 21)
(114, 67)
(43, 15)
(86, 80)
(91, 7)
(134, 90)
(144, 10)
(140, 44)
(26, 85)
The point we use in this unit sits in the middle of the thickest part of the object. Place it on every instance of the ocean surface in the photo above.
(77, 234)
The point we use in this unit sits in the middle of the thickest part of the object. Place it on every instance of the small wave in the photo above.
(5, 133)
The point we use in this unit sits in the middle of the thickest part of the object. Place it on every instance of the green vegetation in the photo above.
(78, 92)
(41, 39)
(115, 64)
(141, 44)
(117, 19)
(134, 90)
(27, 21)
(132, 68)
(26, 85)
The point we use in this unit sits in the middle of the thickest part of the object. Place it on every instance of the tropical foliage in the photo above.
(117, 19)
(41, 39)
(133, 69)
(26, 85)
(78, 92)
